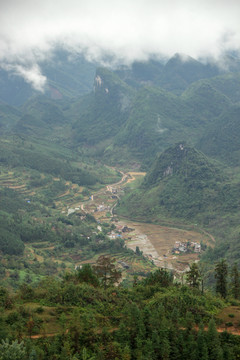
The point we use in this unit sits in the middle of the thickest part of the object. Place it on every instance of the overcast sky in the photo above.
(127, 29)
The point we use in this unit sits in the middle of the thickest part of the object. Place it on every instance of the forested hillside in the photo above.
(84, 316)
(185, 186)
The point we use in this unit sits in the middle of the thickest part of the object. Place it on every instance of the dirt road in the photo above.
(155, 241)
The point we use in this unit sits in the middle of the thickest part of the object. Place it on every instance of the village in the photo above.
(186, 247)
(163, 246)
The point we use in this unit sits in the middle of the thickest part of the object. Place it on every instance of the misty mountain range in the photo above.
(129, 114)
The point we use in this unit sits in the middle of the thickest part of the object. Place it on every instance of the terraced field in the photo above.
(155, 241)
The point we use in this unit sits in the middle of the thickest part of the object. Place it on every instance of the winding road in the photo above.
(155, 241)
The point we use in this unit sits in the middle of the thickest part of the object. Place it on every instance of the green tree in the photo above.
(126, 353)
(5, 300)
(13, 351)
(214, 347)
(189, 321)
(161, 277)
(122, 334)
(202, 349)
(86, 274)
(85, 355)
(3, 329)
(235, 282)
(63, 322)
(221, 272)
(138, 251)
(193, 276)
(106, 271)
(190, 348)
(165, 349)
(202, 266)
(33, 355)
(26, 292)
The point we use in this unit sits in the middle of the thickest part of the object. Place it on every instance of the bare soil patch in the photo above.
(157, 241)
(230, 319)
(134, 175)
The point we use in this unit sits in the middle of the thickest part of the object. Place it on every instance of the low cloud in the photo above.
(32, 75)
(116, 31)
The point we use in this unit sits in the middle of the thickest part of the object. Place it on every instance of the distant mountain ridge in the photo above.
(129, 116)
(66, 78)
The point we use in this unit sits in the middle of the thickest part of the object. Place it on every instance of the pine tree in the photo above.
(85, 355)
(175, 316)
(221, 272)
(148, 350)
(126, 353)
(33, 355)
(193, 276)
(147, 321)
(86, 274)
(173, 341)
(235, 282)
(214, 348)
(203, 274)
(106, 271)
(139, 348)
(228, 353)
(136, 322)
(165, 349)
(156, 342)
(189, 321)
(13, 351)
(202, 350)
(122, 333)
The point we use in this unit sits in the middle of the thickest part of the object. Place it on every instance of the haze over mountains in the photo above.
(138, 111)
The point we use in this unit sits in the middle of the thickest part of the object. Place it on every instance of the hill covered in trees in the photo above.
(82, 317)
(185, 186)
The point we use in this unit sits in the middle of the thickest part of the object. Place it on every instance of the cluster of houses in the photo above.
(113, 235)
(103, 207)
(117, 233)
(186, 247)
(113, 190)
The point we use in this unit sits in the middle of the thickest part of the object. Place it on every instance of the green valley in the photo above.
(119, 200)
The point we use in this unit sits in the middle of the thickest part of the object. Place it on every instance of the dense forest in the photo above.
(84, 316)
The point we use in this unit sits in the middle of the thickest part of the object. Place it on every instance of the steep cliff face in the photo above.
(112, 91)
(108, 109)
